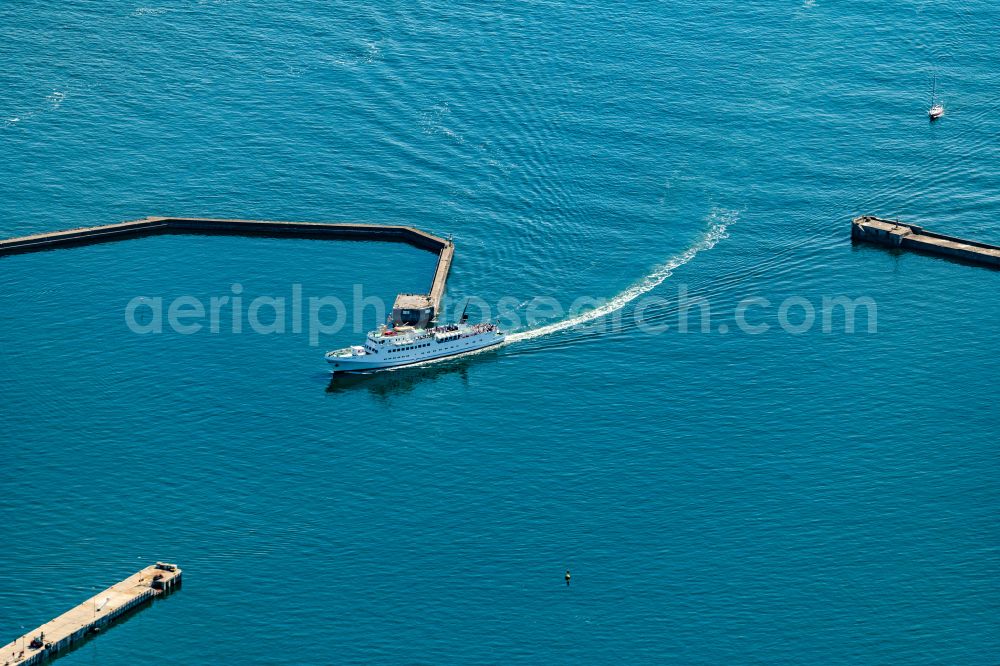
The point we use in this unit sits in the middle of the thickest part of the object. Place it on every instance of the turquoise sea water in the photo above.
(719, 497)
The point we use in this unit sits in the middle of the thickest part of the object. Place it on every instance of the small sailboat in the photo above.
(936, 110)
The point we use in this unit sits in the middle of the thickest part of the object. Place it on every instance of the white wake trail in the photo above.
(722, 219)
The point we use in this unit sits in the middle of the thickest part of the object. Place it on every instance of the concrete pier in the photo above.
(69, 629)
(406, 310)
(871, 229)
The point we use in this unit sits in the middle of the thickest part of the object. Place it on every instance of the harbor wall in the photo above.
(441, 271)
(892, 233)
(150, 226)
(73, 627)
(273, 228)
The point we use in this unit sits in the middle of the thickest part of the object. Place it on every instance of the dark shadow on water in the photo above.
(399, 381)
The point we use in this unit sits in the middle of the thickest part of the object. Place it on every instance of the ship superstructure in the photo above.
(392, 346)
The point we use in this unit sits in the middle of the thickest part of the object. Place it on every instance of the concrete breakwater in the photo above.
(414, 309)
(76, 625)
(871, 229)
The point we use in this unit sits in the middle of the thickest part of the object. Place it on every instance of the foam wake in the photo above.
(720, 222)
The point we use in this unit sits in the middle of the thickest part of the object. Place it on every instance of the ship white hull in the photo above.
(426, 350)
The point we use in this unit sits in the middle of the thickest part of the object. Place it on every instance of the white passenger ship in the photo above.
(404, 345)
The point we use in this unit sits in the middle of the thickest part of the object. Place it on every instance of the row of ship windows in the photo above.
(427, 344)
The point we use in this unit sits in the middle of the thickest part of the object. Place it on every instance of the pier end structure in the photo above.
(891, 233)
(74, 626)
(408, 309)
